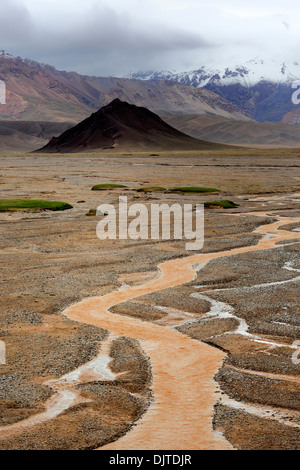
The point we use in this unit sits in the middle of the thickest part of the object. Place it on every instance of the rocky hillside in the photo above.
(37, 92)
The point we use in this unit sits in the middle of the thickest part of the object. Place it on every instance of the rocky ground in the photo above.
(52, 260)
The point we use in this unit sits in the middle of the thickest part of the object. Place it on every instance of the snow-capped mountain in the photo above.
(260, 88)
(248, 74)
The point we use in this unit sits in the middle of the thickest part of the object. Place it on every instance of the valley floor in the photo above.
(126, 344)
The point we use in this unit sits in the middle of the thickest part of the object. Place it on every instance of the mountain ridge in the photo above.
(38, 92)
(261, 89)
(248, 73)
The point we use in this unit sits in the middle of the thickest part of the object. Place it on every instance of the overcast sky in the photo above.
(115, 37)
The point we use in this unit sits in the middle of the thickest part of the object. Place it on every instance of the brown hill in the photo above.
(26, 136)
(122, 125)
(241, 133)
(33, 95)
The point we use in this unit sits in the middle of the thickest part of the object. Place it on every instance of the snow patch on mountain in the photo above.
(248, 74)
(5, 55)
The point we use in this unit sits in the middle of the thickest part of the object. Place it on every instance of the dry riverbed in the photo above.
(72, 383)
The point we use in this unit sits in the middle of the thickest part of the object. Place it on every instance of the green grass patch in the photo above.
(224, 204)
(101, 187)
(193, 189)
(19, 204)
(151, 189)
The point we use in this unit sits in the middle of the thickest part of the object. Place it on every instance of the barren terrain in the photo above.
(140, 344)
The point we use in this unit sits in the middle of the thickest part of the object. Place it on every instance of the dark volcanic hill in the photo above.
(125, 126)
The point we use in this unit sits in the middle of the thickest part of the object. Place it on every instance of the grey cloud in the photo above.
(16, 24)
(103, 42)
(90, 37)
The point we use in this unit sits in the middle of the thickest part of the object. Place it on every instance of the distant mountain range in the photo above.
(242, 133)
(42, 102)
(23, 136)
(258, 90)
(121, 125)
(248, 74)
(39, 92)
(261, 89)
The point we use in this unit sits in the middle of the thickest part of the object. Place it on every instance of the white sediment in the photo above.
(283, 416)
(259, 286)
(221, 310)
(66, 395)
(56, 405)
(99, 367)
